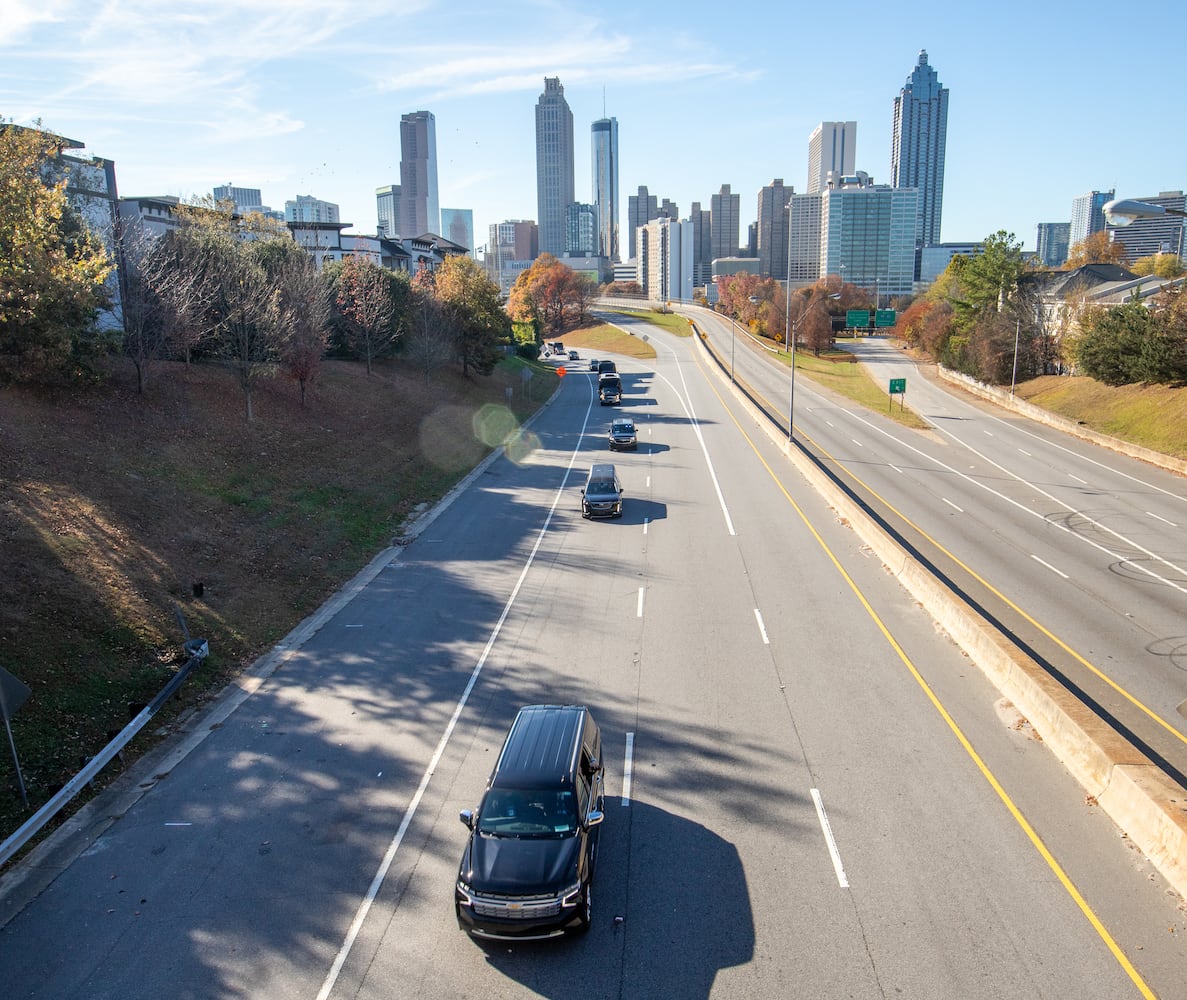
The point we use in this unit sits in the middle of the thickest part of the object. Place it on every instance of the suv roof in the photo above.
(541, 748)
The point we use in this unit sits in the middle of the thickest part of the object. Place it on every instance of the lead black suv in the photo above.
(528, 866)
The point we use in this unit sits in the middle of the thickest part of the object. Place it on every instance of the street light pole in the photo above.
(732, 324)
(1014, 376)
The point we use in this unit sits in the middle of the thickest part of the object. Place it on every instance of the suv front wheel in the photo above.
(585, 912)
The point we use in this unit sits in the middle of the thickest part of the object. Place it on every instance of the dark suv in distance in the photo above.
(622, 434)
(528, 866)
(602, 494)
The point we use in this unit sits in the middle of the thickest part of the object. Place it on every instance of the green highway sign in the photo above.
(898, 386)
(884, 317)
(857, 317)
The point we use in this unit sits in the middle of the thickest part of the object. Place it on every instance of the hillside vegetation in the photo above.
(116, 508)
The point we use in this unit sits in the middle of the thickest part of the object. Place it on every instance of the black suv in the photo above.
(527, 869)
(622, 434)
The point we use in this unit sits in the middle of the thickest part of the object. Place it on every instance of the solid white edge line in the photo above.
(835, 854)
(360, 916)
(628, 768)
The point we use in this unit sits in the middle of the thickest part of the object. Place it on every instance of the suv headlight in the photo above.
(571, 896)
(465, 894)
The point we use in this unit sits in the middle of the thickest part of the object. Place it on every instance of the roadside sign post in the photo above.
(13, 692)
(898, 387)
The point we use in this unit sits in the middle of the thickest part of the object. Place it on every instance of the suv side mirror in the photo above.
(595, 817)
(467, 817)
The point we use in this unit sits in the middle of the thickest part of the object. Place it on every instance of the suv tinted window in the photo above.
(518, 812)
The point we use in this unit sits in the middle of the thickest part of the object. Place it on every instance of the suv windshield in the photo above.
(517, 812)
(603, 488)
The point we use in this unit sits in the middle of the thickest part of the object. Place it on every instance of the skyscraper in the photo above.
(457, 226)
(306, 208)
(725, 209)
(554, 165)
(581, 230)
(1088, 215)
(803, 246)
(245, 199)
(869, 230)
(702, 243)
(641, 208)
(387, 210)
(831, 146)
(604, 143)
(1051, 242)
(917, 156)
(420, 210)
(772, 229)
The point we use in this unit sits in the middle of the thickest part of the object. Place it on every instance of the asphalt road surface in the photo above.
(811, 792)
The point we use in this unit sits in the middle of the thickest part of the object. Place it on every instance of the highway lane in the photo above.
(1088, 546)
(712, 626)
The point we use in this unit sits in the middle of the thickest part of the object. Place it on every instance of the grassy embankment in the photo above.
(114, 506)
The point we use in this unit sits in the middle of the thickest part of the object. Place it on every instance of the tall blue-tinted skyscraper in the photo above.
(917, 156)
(1088, 215)
(604, 143)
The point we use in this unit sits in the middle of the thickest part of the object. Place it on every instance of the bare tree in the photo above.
(304, 304)
(181, 281)
(430, 342)
(144, 330)
(365, 300)
(244, 313)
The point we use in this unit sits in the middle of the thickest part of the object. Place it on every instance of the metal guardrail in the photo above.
(198, 651)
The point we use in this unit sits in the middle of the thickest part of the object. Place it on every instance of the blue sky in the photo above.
(1047, 100)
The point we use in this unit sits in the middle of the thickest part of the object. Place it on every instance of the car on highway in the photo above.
(574, 356)
(593, 364)
(527, 869)
(602, 494)
(609, 389)
(606, 366)
(622, 434)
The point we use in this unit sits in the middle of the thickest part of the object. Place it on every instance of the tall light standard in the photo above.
(791, 334)
(1123, 211)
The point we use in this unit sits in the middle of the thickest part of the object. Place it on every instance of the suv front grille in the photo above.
(517, 907)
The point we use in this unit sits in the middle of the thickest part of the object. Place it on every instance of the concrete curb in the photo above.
(1036, 413)
(1147, 805)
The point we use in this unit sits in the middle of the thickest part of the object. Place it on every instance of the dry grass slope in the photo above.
(113, 506)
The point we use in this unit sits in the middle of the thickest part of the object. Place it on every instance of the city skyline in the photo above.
(291, 106)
